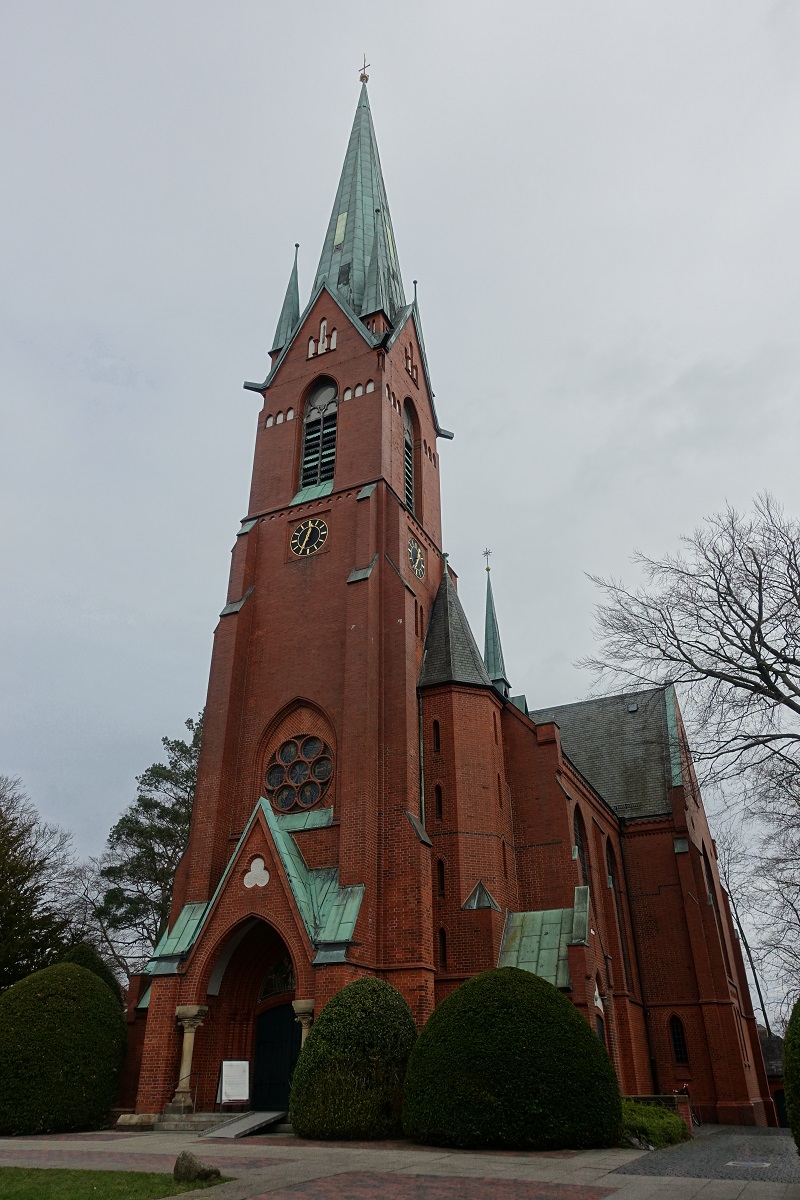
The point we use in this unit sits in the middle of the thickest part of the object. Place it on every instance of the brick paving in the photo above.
(295, 1142)
(367, 1185)
(285, 1168)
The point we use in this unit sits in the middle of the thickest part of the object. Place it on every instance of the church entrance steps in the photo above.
(246, 1123)
(189, 1122)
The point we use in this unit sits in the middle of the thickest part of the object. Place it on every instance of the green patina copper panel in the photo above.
(314, 491)
(329, 911)
(538, 941)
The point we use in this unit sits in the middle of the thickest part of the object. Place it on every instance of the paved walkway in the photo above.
(732, 1153)
(286, 1168)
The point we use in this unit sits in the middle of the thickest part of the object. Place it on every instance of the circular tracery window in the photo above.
(299, 773)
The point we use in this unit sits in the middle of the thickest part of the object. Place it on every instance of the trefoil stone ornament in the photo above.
(258, 875)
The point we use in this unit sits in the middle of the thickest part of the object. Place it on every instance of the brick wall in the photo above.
(310, 652)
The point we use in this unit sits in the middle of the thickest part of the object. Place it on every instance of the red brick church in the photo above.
(371, 797)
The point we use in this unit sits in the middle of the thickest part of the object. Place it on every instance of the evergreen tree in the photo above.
(136, 873)
(35, 860)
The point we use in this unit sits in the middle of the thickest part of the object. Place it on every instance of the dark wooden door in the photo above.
(277, 1047)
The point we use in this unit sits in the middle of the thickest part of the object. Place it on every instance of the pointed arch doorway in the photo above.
(254, 982)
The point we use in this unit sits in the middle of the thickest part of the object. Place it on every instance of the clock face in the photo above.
(416, 558)
(309, 537)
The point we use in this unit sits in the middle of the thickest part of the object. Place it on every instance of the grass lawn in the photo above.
(53, 1183)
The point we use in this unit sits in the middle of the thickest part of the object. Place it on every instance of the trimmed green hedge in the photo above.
(62, 1042)
(791, 1073)
(348, 1082)
(507, 1060)
(653, 1123)
(84, 955)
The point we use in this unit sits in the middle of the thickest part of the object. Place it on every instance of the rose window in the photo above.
(299, 773)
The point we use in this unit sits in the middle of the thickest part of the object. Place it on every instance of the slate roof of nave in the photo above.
(625, 746)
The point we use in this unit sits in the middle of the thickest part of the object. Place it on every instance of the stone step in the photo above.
(189, 1122)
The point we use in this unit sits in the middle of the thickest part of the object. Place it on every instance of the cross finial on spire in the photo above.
(364, 77)
(487, 554)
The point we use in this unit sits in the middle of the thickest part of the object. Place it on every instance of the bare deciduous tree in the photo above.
(735, 863)
(774, 799)
(722, 618)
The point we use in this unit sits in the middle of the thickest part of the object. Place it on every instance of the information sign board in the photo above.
(234, 1081)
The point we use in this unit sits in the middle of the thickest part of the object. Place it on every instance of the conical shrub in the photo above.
(348, 1082)
(62, 1042)
(506, 1060)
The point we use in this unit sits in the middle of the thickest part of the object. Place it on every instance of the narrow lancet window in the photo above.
(680, 1051)
(580, 846)
(319, 435)
(408, 458)
(611, 866)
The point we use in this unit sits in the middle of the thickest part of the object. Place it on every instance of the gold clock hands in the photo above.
(304, 542)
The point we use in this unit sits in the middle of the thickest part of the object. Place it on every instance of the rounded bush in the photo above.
(507, 1060)
(84, 955)
(348, 1082)
(62, 1041)
(791, 1073)
(654, 1124)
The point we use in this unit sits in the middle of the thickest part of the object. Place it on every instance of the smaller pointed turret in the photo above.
(451, 654)
(290, 313)
(492, 650)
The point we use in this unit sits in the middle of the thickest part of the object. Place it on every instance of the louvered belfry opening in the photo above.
(319, 435)
(408, 458)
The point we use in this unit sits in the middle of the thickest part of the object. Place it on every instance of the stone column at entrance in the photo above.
(304, 1010)
(191, 1017)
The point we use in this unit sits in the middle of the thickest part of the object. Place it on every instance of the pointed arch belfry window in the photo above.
(319, 434)
(408, 457)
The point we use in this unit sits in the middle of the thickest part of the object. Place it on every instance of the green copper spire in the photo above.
(353, 239)
(290, 313)
(492, 650)
(377, 295)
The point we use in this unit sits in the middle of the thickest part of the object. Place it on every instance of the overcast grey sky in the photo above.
(600, 201)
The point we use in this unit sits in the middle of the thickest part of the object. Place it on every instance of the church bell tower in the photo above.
(308, 844)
